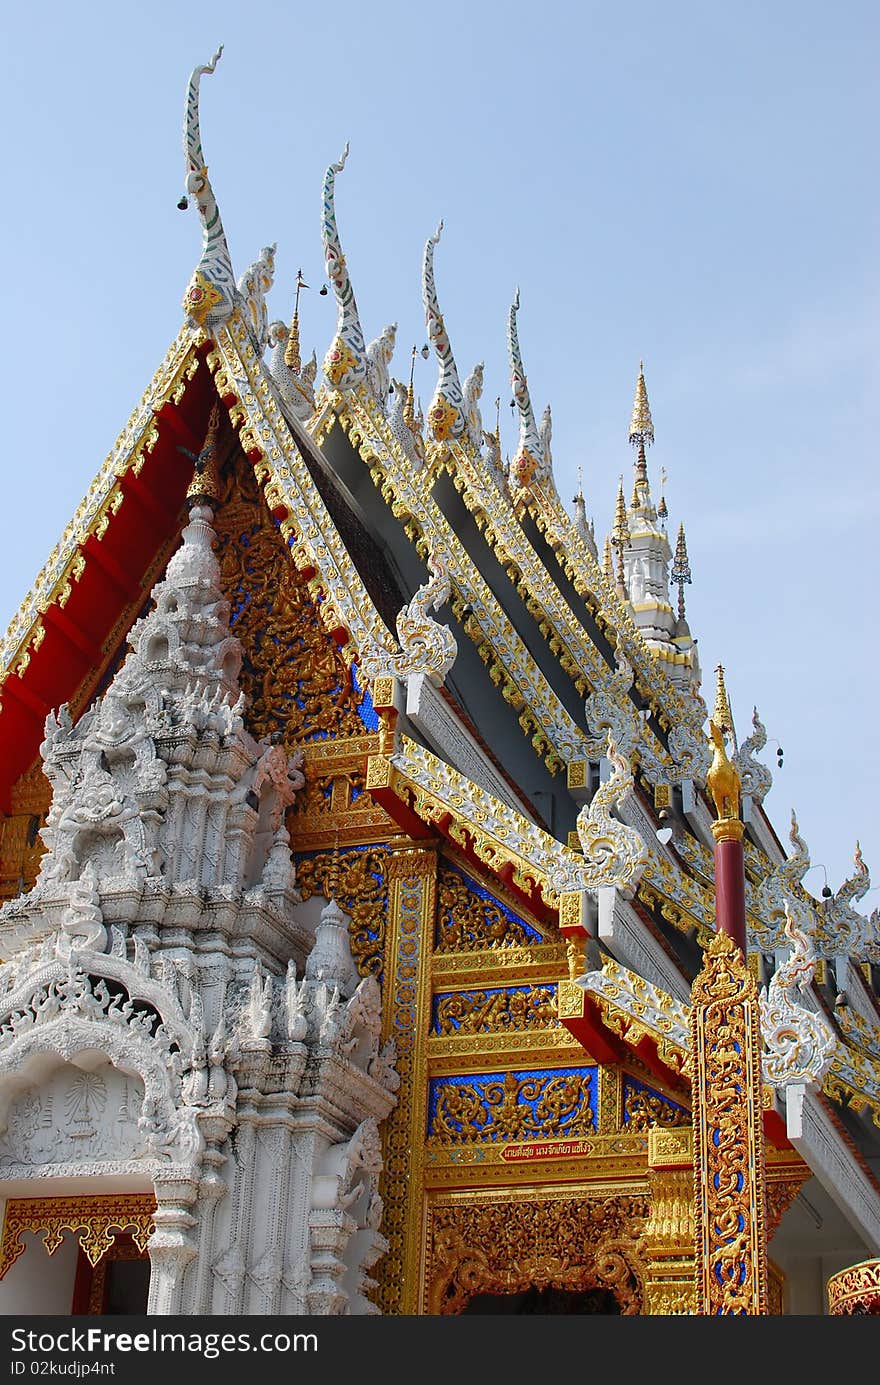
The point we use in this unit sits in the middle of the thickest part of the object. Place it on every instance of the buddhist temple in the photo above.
(391, 918)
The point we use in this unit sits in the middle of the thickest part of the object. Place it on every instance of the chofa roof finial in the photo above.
(345, 363)
(446, 418)
(210, 295)
(528, 460)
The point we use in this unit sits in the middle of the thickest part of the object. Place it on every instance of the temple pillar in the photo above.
(729, 1160)
(670, 1231)
(412, 902)
(171, 1246)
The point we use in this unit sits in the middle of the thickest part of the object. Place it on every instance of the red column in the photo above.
(730, 888)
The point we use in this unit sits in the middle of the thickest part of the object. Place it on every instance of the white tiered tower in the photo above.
(646, 558)
(164, 983)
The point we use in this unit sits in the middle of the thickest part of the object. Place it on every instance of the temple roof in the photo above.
(547, 674)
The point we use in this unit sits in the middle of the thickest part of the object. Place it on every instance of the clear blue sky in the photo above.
(688, 183)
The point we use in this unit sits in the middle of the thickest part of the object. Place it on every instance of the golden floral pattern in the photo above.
(496, 1011)
(297, 683)
(855, 1291)
(95, 1220)
(643, 1108)
(505, 1246)
(729, 1171)
(468, 920)
(512, 1106)
(356, 879)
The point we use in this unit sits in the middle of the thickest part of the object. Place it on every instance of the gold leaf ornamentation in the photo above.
(357, 880)
(295, 678)
(95, 1220)
(499, 1246)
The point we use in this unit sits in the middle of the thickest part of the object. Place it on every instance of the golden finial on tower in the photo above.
(721, 711)
(291, 352)
(641, 428)
(205, 484)
(681, 571)
(607, 561)
(641, 435)
(620, 538)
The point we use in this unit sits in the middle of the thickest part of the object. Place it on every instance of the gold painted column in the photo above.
(670, 1232)
(412, 900)
(730, 1178)
(729, 1166)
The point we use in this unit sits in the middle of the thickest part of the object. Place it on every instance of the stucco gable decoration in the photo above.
(614, 853)
(426, 646)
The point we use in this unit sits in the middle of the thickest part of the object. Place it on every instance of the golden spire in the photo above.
(620, 537)
(662, 511)
(205, 484)
(721, 711)
(641, 434)
(607, 562)
(291, 352)
(681, 571)
(641, 429)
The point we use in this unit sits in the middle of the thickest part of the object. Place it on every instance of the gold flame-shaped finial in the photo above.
(641, 428)
(607, 560)
(292, 358)
(641, 433)
(205, 484)
(620, 537)
(721, 711)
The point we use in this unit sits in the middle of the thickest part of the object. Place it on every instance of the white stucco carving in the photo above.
(153, 1024)
(799, 1044)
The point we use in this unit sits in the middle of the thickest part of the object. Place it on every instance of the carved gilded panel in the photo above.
(643, 1108)
(495, 1010)
(21, 846)
(512, 1105)
(504, 1245)
(729, 1161)
(470, 918)
(297, 683)
(95, 1221)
